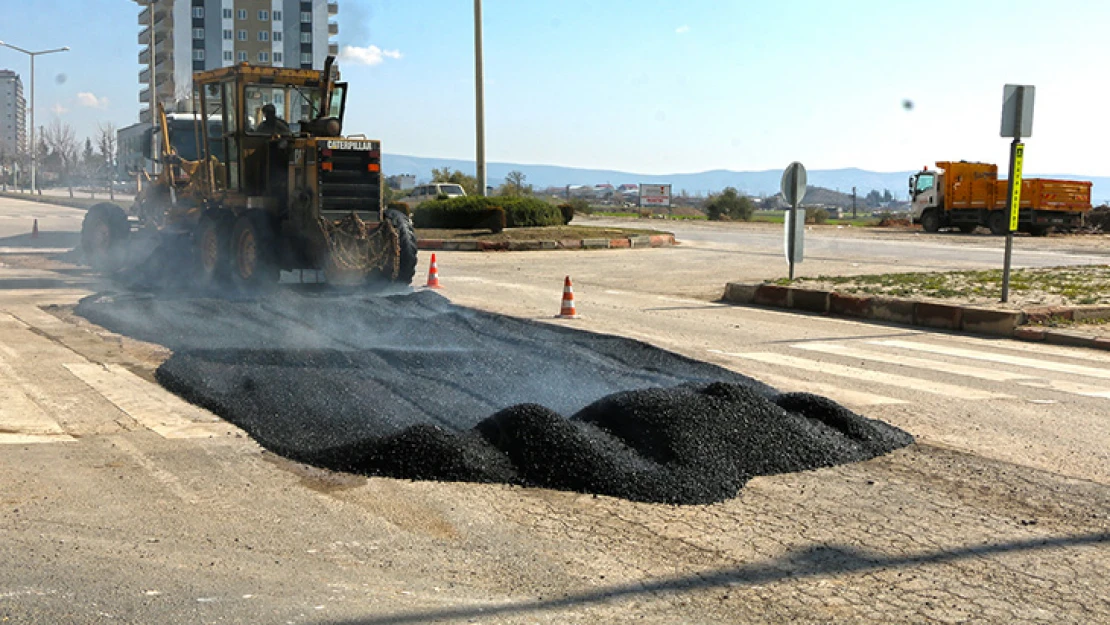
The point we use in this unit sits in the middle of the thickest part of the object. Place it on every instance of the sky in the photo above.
(655, 86)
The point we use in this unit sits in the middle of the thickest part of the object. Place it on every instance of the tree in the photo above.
(874, 198)
(729, 204)
(515, 185)
(62, 143)
(468, 183)
(106, 143)
(887, 197)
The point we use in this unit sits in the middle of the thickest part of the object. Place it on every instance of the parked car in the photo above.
(424, 192)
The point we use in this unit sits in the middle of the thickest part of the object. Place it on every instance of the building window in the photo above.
(242, 14)
(263, 57)
(277, 35)
(264, 16)
(263, 35)
(198, 55)
(242, 35)
(277, 57)
(227, 14)
(198, 12)
(229, 55)
(198, 33)
(277, 16)
(242, 56)
(306, 17)
(306, 37)
(229, 34)
(306, 58)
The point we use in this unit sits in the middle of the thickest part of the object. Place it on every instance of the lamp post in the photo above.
(479, 103)
(33, 55)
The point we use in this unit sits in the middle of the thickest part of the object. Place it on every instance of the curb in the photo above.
(1006, 323)
(78, 203)
(625, 243)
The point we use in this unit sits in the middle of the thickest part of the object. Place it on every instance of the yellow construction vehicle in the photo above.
(252, 194)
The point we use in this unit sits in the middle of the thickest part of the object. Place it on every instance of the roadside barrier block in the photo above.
(659, 240)
(493, 246)
(1029, 333)
(595, 244)
(1083, 313)
(893, 310)
(466, 246)
(450, 246)
(738, 293)
(642, 240)
(1101, 343)
(994, 322)
(772, 295)
(570, 244)
(943, 316)
(850, 305)
(430, 244)
(810, 300)
(614, 243)
(1047, 313)
(1065, 337)
(524, 246)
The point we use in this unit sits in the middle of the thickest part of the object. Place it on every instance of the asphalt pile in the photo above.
(414, 387)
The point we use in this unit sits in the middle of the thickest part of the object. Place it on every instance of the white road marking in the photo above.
(150, 405)
(1059, 351)
(840, 394)
(23, 421)
(867, 375)
(994, 375)
(1017, 361)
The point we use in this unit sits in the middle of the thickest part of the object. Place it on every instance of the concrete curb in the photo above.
(1007, 323)
(637, 242)
(79, 203)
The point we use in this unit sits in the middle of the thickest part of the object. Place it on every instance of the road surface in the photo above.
(121, 503)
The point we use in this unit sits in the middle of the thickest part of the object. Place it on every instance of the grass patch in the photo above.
(549, 233)
(1083, 285)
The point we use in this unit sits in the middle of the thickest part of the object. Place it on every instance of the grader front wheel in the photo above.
(252, 262)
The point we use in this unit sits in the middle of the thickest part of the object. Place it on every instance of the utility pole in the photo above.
(33, 55)
(853, 202)
(479, 101)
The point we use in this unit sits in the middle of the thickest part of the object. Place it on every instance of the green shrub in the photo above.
(581, 206)
(729, 204)
(528, 212)
(568, 212)
(817, 216)
(460, 213)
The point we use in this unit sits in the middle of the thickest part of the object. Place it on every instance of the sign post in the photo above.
(793, 190)
(1017, 122)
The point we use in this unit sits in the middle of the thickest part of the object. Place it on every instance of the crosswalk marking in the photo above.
(23, 421)
(1060, 351)
(994, 375)
(867, 375)
(1018, 361)
(845, 396)
(150, 405)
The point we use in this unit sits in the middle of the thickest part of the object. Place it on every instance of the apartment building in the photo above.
(13, 115)
(194, 35)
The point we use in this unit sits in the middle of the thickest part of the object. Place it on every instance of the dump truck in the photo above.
(247, 197)
(967, 195)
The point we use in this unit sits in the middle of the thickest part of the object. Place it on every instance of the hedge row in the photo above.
(495, 213)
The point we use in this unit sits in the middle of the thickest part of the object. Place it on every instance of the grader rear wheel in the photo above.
(104, 235)
(212, 244)
(252, 252)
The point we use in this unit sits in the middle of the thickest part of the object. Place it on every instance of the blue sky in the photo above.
(655, 86)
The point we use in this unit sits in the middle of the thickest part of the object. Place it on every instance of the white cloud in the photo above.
(370, 55)
(682, 30)
(91, 101)
(58, 109)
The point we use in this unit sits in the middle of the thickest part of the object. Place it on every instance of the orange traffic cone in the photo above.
(568, 311)
(433, 275)
(35, 230)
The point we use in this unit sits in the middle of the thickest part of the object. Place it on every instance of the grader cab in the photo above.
(274, 186)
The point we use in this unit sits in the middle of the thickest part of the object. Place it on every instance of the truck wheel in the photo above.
(968, 228)
(997, 223)
(406, 240)
(104, 234)
(930, 221)
(213, 249)
(252, 252)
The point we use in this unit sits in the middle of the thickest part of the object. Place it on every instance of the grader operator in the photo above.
(264, 194)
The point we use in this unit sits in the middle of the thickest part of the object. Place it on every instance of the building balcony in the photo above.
(333, 29)
(333, 8)
(333, 49)
(144, 96)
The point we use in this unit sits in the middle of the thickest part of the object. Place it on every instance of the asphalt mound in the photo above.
(415, 387)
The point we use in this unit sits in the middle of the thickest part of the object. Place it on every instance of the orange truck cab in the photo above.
(966, 195)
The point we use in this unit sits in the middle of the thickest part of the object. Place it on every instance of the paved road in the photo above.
(17, 218)
(121, 503)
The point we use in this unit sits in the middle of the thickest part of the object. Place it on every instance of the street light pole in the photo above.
(33, 55)
(479, 100)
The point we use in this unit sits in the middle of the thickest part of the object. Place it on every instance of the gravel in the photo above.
(414, 387)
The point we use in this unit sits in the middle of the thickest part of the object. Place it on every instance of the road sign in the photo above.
(655, 195)
(798, 231)
(1017, 111)
(794, 183)
(1015, 186)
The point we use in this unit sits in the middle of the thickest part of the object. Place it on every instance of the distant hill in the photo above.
(757, 183)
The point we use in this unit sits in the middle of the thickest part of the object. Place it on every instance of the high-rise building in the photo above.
(13, 115)
(195, 35)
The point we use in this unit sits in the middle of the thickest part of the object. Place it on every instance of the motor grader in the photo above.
(258, 198)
